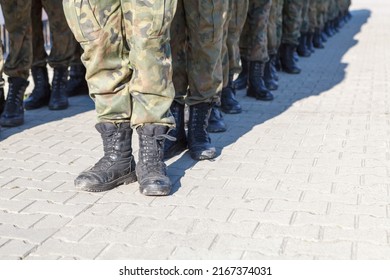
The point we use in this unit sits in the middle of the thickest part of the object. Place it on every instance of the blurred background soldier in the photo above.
(63, 47)
(77, 85)
(2, 98)
(17, 66)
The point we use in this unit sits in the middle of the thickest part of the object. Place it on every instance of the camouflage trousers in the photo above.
(274, 30)
(292, 21)
(63, 42)
(309, 16)
(1, 65)
(197, 42)
(322, 10)
(18, 24)
(253, 41)
(127, 56)
(231, 51)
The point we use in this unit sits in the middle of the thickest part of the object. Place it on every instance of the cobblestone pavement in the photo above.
(305, 176)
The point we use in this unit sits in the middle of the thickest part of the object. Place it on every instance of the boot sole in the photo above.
(130, 178)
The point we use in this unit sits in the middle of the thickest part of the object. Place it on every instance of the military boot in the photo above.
(13, 113)
(287, 59)
(172, 148)
(117, 166)
(58, 98)
(242, 80)
(302, 49)
(328, 29)
(317, 40)
(77, 85)
(269, 72)
(40, 95)
(256, 87)
(151, 170)
(309, 42)
(216, 122)
(229, 103)
(199, 142)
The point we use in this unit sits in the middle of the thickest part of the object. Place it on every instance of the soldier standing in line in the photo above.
(254, 53)
(302, 49)
(17, 66)
(231, 54)
(61, 53)
(230, 63)
(197, 42)
(292, 21)
(274, 36)
(129, 75)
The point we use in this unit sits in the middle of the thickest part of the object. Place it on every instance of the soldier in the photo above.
(302, 49)
(274, 35)
(17, 66)
(129, 75)
(63, 47)
(231, 54)
(253, 48)
(197, 41)
(292, 20)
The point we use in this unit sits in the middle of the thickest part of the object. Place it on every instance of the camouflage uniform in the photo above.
(253, 42)
(63, 42)
(292, 21)
(18, 24)
(231, 51)
(127, 57)
(197, 41)
(274, 31)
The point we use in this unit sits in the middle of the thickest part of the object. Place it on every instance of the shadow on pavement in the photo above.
(292, 89)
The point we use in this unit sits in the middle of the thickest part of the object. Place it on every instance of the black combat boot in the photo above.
(172, 148)
(302, 49)
(242, 80)
(117, 166)
(229, 103)
(77, 85)
(13, 113)
(328, 29)
(40, 95)
(256, 87)
(151, 170)
(317, 40)
(309, 42)
(269, 74)
(287, 59)
(216, 122)
(199, 142)
(58, 98)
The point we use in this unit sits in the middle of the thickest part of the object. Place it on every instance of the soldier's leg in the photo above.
(147, 33)
(231, 54)
(180, 82)
(17, 66)
(272, 38)
(63, 48)
(2, 98)
(257, 53)
(292, 20)
(315, 26)
(106, 60)
(205, 21)
(302, 49)
(41, 93)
